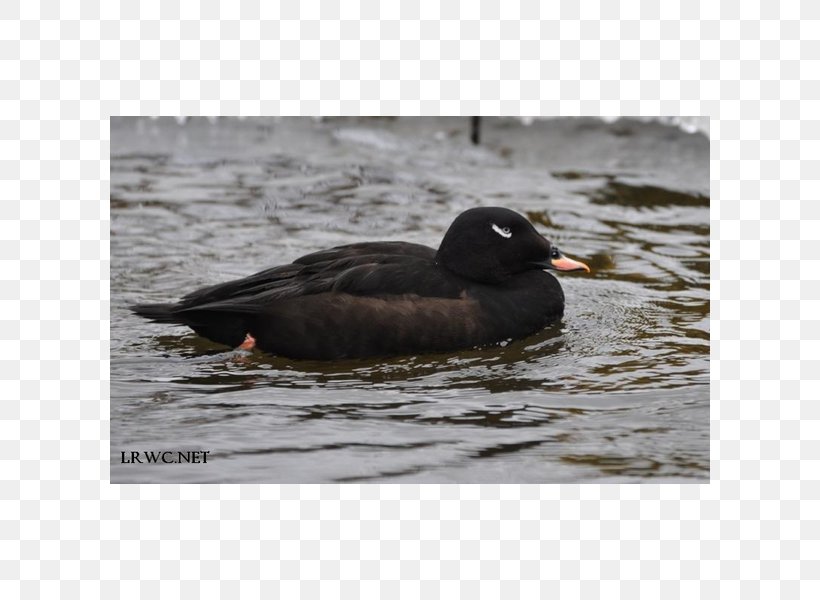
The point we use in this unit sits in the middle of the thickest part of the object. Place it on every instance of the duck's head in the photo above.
(492, 244)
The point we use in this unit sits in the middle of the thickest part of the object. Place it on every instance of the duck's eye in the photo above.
(502, 231)
(554, 253)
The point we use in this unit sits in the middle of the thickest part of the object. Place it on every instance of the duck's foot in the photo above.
(248, 344)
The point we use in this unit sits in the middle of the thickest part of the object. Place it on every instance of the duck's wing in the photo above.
(356, 268)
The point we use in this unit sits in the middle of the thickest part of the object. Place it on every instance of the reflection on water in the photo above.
(617, 391)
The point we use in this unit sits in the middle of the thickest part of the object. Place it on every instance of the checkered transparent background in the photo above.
(68, 66)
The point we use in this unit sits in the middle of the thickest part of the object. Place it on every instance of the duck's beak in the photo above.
(562, 263)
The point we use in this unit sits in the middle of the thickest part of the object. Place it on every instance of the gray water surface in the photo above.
(617, 391)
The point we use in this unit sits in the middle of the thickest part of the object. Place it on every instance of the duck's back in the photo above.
(313, 273)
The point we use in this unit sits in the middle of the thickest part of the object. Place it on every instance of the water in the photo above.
(616, 392)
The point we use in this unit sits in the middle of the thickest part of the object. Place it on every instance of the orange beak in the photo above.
(562, 263)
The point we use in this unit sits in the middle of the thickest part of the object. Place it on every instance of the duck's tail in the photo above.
(159, 313)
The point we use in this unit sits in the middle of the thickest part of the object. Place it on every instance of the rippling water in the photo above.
(617, 391)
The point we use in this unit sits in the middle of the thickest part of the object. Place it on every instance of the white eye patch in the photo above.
(502, 231)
